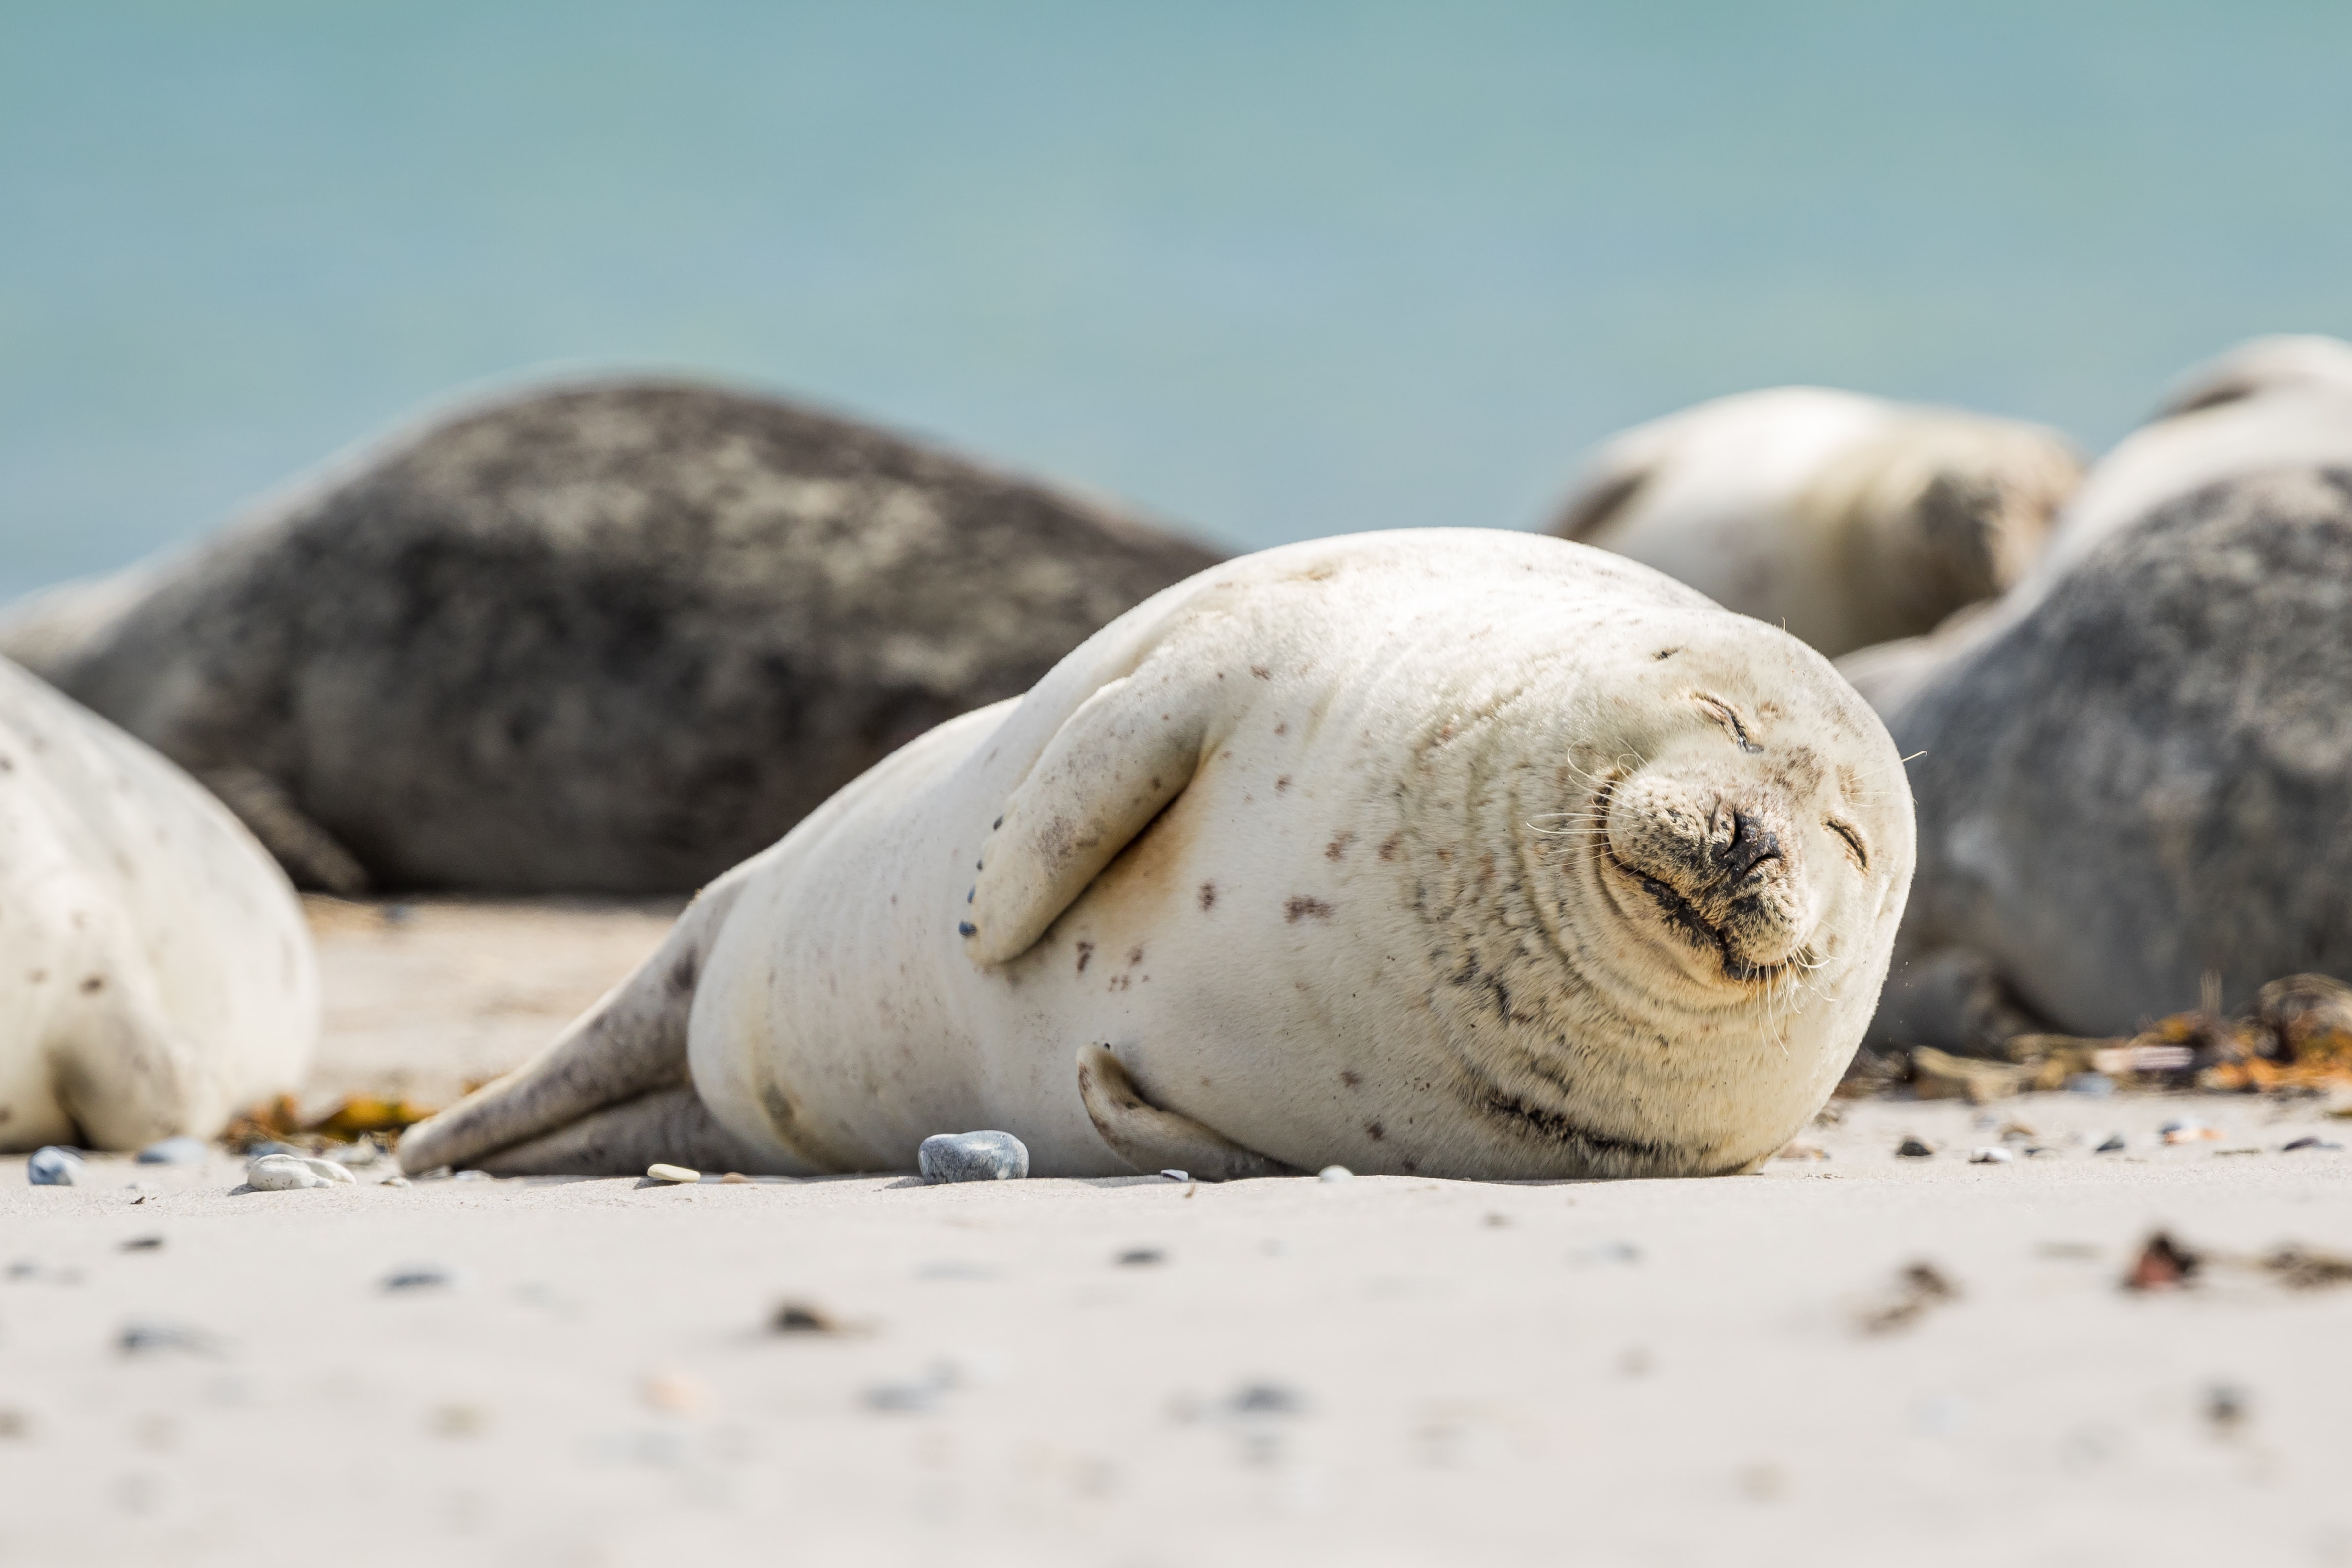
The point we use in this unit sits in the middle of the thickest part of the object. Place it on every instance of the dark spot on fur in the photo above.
(1261, 672)
(965, 927)
(1388, 845)
(1282, 784)
(1134, 956)
(1350, 1076)
(97, 983)
(1375, 1131)
(1299, 908)
(1337, 848)
(1283, 728)
(1408, 1166)
(1208, 896)
(997, 824)
(1086, 955)
(682, 972)
(1665, 653)
(1155, 781)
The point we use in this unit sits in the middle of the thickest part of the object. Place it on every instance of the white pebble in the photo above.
(54, 1167)
(675, 1175)
(284, 1173)
(1990, 1156)
(1173, 1175)
(1335, 1173)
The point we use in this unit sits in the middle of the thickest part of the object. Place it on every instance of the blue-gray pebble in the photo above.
(179, 1150)
(55, 1167)
(973, 1157)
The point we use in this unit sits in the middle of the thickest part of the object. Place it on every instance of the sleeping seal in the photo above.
(1844, 519)
(611, 636)
(158, 974)
(1454, 852)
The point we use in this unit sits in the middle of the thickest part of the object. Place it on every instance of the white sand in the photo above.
(1648, 1372)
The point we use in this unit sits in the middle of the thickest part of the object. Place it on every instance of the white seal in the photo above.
(1841, 519)
(158, 974)
(1456, 852)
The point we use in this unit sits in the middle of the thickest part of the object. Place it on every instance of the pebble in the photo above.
(801, 1318)
(1265, 1399)
(1335, 1173)
(1990, 1155)
(146, 1338)
(1913, 1149)
(2113, 1144)
(179, 1150)
(54, 1167)
(2187, 1130)
(288, 1173)
(2309, 1140)
(678, 1175)
(1173, 1174)
(420, 1277)
(973, 1157)
(1142, 1257)
(2090, 1083)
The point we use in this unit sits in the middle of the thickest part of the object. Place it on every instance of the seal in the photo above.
(1456, 852)
(1844, 519)
(610, 637)
(2138, 782)
(2267, 405)
(159, 976)
(2285, 362)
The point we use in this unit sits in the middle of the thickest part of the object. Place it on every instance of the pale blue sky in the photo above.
(1274, 270)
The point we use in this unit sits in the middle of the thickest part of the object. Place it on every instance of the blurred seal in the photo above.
(611, 636)
(1461, 853)
(1844, 519)
(2141, 774)
(159, 973)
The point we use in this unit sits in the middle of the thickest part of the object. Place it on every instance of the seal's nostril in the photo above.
(1750, 843)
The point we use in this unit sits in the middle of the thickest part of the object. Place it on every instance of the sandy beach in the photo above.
(1142, 1372)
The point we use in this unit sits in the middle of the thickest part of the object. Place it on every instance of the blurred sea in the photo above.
(1275, 271)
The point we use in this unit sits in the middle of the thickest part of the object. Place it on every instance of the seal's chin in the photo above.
(1707, 876)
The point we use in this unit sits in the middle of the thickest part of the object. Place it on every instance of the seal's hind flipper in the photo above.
(1150, 1139)
(671, 1126)
(629, 1044)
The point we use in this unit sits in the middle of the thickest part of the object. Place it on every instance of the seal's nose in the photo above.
(1746, 842)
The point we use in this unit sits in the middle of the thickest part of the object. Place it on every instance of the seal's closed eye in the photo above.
(1728, 717)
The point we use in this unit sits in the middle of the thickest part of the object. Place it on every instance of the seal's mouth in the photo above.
(1704, 917)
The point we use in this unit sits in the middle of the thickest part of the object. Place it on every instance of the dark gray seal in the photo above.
(611, 636)
(2142, 776)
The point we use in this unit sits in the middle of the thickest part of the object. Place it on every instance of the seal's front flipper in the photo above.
(1150, 1139)
(629, 1044)
(1111, 766)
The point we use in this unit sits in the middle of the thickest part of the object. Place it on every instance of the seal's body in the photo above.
(1842, 519)
(1461, 853)
(158, 974)
(2138, 768)
(604, 637)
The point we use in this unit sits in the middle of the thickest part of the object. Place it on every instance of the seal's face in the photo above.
(1737, 847)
